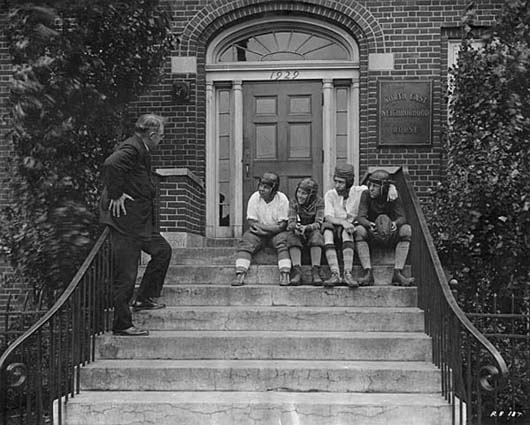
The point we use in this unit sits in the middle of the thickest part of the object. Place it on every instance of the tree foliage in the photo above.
(481, 217)
(77, 65)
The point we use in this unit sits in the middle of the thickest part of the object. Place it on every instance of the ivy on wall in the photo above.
(481, 219)
(481, 215)
(77, 64)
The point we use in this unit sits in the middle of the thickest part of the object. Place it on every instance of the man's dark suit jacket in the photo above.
(128, 170)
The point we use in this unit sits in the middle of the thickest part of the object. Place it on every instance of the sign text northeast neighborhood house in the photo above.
(405, 112)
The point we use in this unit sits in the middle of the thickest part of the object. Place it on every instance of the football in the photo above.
(383, 229)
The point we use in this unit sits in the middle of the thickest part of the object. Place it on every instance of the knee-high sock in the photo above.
(296, 255)
(284, 261)
(363, 250)
(243, 261)
(402, 250)
(347, 254)
(316, 255)
(331, 256)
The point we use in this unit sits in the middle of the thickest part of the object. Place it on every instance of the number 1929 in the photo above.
(284, 75)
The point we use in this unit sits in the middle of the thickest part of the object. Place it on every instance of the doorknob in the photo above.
(246, 158)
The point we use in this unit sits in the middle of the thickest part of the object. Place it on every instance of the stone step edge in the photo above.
(269, 397)
(170, 285)
(284, 308)
(411, 365)
(275, 334)
(356, 267)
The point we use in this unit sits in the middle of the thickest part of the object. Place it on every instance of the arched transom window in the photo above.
(283, 41)
(283, 45)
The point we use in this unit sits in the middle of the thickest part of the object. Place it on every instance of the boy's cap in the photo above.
(309, 185)
(270, 179)
(379, 177)
(345, 171)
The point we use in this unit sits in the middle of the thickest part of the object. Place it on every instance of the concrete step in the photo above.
(278, 318)
(259, 274)
(260, 375)
(255, 345)
(256, 408)
(220, 242)
(227, 256)
(274, 295)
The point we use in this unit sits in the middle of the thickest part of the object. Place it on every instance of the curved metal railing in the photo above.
(40, 370)
(473, 370)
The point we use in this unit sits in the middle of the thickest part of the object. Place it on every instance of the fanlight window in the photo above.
(283, 45)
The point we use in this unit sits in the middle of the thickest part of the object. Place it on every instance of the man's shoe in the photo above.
(239, 279)
(147, 304)
(367, 279)
(132, 331)
(315, 273)
(284, 279)
(399, 279)
(349, 280)
(296, 275)
(333, 280)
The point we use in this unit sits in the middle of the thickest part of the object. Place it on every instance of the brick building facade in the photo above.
(294, 86)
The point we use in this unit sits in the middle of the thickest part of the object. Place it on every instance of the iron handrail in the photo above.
(457, 343)
(60, 301)
(67, 329)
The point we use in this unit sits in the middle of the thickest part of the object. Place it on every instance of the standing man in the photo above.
(127, 208)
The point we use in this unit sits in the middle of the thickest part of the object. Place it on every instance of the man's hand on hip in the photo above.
(117, 206)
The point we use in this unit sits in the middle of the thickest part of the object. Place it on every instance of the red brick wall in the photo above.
(414, 31)
(5, 75)
(181, 204)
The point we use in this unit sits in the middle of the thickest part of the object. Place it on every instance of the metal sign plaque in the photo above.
(405, 113)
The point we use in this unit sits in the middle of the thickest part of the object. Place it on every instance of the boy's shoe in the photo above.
(147, 304)
(296, 275)
(333, 280)
(399, 279)
(315, 274)
(349, 280)
(284, 279)
(239, 280)
(367, 279)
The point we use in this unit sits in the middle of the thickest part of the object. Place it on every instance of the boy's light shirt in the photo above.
(268, 213)
(336, 207)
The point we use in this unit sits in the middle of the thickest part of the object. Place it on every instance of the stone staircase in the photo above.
(262, 354)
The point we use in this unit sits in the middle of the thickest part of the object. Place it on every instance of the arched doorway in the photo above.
(282, 94)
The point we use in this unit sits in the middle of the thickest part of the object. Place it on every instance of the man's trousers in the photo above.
(126, 250)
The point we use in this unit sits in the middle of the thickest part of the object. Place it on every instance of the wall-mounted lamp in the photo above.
(181, 91)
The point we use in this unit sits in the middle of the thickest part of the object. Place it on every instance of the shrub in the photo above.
(481, 219)
(77, 65)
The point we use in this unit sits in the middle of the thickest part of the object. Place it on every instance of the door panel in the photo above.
(282, 133)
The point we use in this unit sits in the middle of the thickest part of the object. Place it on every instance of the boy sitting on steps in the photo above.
(267, 215)
(306, 214)
(341, 205)
(382, 220)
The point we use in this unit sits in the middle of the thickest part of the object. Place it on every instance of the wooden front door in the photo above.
(282, 133)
